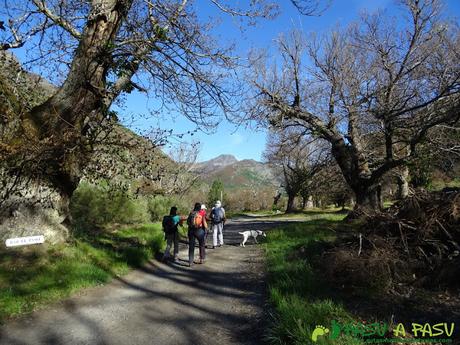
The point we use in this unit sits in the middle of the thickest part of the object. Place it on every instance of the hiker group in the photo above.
(197, 223)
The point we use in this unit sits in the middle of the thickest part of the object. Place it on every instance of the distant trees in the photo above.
(374, 91)
(439, 157)
(216, 192)
(297, 159)
(179, 175)
(250, 199)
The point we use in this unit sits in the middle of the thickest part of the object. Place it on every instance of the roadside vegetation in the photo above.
(295, 292)
(33, 277)
(402, 267)
(113, 232)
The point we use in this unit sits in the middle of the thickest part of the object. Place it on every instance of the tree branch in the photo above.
(58, 20)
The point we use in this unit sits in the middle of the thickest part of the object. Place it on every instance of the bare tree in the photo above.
(297, 159)
(439, 157)
(373, 91)
(180, 177)
(312, 7)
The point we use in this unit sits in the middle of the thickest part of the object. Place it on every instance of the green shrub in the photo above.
(102, 204)
(159, 205)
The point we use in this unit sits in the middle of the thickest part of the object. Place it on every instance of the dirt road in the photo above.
(220, 302)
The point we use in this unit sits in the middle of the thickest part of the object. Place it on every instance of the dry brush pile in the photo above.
(415, 243)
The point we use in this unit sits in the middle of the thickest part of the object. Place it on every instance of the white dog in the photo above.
(253, 233)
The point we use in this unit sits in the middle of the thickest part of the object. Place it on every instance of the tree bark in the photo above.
(81, 97)
(290, 203)
(403, 183)
(366, 187)
(276, 198)
(352, 201)
(368, 198)
(52, 140)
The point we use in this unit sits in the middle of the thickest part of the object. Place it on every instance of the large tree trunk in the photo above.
(82, 96)
(276, 198)
(54, 148)
(307, 202)
(290, 203)
(304, 203)
(357, 174)
(352, 201)
(403, 183)
(368, 198)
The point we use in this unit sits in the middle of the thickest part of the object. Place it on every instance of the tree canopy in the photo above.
(374, 90)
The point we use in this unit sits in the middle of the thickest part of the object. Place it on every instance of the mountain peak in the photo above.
(216, 163)
(224, 160)
(237, 174)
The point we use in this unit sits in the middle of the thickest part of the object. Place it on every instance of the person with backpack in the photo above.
(170, 224)
(197, 227)
(205, 215)
(218, 219)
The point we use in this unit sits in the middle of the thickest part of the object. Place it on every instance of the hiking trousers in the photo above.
(199, 235)
(218, 234)
(170, 240)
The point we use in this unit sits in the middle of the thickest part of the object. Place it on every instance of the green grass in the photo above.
(440, 184)
(298, 297)
(388, 203)
(33, 277)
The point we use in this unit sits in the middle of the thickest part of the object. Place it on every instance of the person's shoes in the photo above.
(190, 264)
(201, 261)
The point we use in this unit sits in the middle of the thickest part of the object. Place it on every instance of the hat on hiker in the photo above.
(203, 207)
(218, 204)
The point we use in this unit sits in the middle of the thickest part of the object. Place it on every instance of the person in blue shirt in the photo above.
(170, 224)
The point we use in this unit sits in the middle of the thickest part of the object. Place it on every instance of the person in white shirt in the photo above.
(218, 221)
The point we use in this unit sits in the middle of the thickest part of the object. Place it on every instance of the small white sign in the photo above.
(24, 241)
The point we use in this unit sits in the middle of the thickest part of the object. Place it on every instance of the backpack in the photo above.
(168, 225)
(217, 215)
(195, 220)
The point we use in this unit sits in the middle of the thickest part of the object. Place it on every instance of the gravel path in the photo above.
(221, 302)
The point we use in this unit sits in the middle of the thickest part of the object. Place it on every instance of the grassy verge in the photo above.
(34, 277)
(298, 297)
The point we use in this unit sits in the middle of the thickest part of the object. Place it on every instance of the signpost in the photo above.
(24, 241)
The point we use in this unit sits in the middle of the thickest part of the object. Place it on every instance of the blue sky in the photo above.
(247, 143)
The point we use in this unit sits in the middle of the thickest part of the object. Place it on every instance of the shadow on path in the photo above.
(220, 302)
